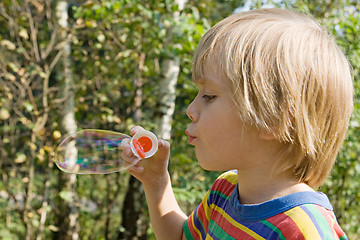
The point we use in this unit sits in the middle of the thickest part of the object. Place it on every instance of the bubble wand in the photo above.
(93, 151)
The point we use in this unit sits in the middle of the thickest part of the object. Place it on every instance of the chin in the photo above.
(208, 167)
(209, 164)
(205, 166)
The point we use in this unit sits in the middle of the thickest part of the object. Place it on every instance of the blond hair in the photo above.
(288, 78)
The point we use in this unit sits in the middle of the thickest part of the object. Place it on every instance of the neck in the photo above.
(258, 182)
(255, 188)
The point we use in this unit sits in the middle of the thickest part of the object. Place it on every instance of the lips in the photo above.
(191, 137)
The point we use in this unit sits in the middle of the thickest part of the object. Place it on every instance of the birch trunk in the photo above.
(133, 211)
(68, 212)
(170, 68)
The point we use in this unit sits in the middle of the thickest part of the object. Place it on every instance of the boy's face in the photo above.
(221, 141)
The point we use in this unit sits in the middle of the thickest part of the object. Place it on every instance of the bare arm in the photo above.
(166, 217)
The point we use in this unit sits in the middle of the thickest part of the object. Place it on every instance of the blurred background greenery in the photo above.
(70, 65)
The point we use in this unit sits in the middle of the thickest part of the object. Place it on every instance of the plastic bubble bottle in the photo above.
(93, 151)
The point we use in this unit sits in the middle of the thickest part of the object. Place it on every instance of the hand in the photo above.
(166, 216)
(148, 170)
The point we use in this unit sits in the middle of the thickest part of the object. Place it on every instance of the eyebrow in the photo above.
(208, 83)
(199, 81)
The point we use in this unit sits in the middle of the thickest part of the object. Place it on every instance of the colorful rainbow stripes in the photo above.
(303, 215)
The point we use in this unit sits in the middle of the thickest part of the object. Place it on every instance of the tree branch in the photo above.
(33, 32)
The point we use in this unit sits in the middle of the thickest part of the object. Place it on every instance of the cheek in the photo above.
(219, 139)
(227, 138)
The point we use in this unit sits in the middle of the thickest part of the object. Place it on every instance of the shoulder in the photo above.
(231, 175)
(308, 220)
(222, 188)
(229, 178)
(225, 183)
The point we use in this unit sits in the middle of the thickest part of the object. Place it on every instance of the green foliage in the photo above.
(343, 186)
(116, 50)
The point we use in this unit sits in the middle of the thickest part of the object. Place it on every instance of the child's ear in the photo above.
(267, 135)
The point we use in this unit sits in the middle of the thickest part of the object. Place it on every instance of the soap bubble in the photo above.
(93, 151)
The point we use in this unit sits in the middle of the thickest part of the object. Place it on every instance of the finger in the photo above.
(129, 162)
(163, 144)
(136, 129)
(125, 149)
(136, 169)
(125, 143)
(164, 149)
(129, 165)
(129, 157)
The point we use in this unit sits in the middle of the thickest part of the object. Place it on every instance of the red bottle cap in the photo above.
(144, 144)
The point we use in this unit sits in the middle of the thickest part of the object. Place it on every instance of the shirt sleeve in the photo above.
(196, 226)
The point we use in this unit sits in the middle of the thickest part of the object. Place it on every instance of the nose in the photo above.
(191, 112)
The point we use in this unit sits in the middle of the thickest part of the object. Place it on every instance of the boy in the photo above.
(275, 98)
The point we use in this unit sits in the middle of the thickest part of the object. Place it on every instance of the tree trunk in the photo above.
(133, 210)
(68, 215)
(45, 203)
(29, 194)
(133, 223)
(170, 68)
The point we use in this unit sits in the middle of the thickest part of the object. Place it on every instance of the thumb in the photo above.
(163, 152)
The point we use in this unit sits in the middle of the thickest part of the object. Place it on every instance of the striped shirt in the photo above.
(301, 215)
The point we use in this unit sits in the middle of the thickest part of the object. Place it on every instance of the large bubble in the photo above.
(94, 151)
